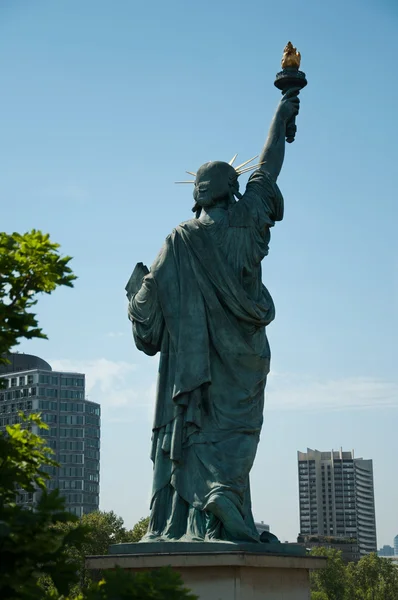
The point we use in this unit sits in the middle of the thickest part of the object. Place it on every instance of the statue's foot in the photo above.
(151, 537)
(231, 519)
(268, 538)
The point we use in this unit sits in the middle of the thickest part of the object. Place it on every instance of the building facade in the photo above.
(396, 545)
(386, 551)
(73, 426)
(336, 496)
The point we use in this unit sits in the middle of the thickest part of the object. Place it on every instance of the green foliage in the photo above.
(30, 549)
(319, 596)
(30, 264)
(22, 456)
(331, 580)
(138, 531)
(163, 584)
(102, 530)
(372, 578)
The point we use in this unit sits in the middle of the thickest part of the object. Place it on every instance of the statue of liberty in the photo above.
(203, 307)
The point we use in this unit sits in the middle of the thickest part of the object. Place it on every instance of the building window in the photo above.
(49, 418)
(93, 410)
(75, 394)
(71, 472)
(13, 381)
(22, 380)
(71, 458)
(93, 432)
(72, 382)
(30, 379)
(71, 419)
(72, 432)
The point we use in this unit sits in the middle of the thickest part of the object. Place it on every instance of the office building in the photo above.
(396, 545)
(337, 497)
(386, 551)
(73, 426)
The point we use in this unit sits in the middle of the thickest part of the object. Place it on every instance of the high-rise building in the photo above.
(337, 497)
(74, 426)
(386, 551)
(396, 545)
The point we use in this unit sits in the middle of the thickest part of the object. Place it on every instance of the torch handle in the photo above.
(291, 129)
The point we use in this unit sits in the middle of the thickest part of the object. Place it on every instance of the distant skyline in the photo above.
(105, 105)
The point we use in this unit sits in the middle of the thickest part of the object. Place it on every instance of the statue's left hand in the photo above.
(135, 281)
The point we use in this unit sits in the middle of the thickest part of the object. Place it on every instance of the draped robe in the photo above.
(204, 308)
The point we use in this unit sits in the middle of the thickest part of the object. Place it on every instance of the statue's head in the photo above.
(216, 183)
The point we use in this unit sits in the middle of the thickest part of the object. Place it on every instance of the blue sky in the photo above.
(105, 104)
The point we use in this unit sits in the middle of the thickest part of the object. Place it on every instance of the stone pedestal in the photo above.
(224, 574)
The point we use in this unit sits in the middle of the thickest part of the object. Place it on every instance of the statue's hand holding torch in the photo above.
(290, 81)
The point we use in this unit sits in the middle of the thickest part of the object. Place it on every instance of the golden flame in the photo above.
(291, 57)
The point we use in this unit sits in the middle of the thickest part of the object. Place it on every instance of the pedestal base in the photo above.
(215, 575)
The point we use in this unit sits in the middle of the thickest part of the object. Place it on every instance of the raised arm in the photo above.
(273, 152)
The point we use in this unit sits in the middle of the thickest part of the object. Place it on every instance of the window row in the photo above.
(13, 408)
(71, 432)
(72, 381)
(49, 379)
(22, 380)
(70, 484)
(91, 453)
(93, 410)
(16, 394)
(71, 458)
(72, 394)
(71, 472)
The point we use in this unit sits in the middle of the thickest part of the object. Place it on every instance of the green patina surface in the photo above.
(206, 548)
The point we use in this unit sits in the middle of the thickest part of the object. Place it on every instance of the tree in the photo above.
(29, 548)
(102, 529)
(162, 584)
(373, 578)
(329, 583)
(30, 264)
(41, 550)
(138, 531)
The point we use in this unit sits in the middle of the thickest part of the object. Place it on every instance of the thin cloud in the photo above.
(292, 392)
(111, 383)
(116, 385)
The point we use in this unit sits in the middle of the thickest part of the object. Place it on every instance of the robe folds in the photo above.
(204, 308)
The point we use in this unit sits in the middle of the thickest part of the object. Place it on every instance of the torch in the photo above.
(290, 77)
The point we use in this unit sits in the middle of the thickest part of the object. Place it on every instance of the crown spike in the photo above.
(245, 163)
(191, 173)
(250, 168)
(231, 162)
(184, 182)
